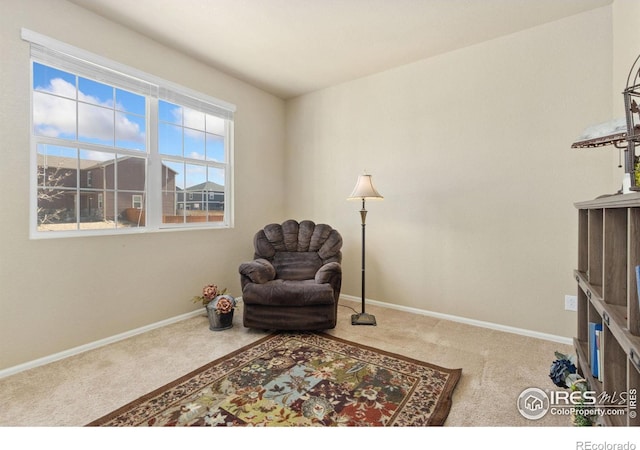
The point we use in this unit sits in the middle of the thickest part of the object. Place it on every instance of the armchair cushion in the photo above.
(288, 293)
(296, 265)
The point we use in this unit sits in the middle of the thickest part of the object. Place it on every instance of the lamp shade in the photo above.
(364, 189)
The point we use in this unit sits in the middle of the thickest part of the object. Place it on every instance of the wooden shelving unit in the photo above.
(608, 253)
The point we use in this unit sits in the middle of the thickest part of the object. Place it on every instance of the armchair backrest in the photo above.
(298, 249)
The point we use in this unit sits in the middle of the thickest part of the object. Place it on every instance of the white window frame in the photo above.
(79, 62)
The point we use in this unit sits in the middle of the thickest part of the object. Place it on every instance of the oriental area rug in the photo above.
(299, 379)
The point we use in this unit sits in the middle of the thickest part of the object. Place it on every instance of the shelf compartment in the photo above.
(583, 316)
(614, 377)
(595, 250)
(593, 293)
(614, 283)
(583, 240)
(633, 306)
(584, 368)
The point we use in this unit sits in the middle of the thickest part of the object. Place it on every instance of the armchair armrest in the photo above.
(329, 273)
(258, 271)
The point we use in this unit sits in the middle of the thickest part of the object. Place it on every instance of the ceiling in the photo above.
(291, 47)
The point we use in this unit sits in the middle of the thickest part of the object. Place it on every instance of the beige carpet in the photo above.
(496, 367)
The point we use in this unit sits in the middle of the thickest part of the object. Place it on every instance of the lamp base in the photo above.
(363, 319)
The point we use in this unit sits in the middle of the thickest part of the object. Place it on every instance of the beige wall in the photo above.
(47, 308)
(471, 151)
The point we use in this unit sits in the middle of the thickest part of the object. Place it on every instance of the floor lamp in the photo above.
(364, 189)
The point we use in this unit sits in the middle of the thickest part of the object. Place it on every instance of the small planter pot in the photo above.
(220, 321)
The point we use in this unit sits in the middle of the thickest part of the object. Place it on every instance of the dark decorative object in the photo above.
(564, 374)
(561, 368)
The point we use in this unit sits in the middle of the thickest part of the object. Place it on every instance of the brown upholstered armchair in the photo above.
(294, 281)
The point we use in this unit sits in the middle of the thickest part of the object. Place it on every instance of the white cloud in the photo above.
(196, 155)
(193, 119)
(55, 115)
(95, 122)
(196, 120)
(127, 130)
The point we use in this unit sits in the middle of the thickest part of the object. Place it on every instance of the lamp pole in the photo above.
(363, 216)
(363, 318)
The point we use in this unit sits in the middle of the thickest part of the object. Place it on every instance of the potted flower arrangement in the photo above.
(219, 306)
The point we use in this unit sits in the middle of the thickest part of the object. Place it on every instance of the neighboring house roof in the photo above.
(64, 162)
(209, 186)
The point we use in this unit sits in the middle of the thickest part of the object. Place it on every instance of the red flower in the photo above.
(210, 291)
(224, 306)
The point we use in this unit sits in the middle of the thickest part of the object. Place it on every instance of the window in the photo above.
(136, 201)
(119, 151)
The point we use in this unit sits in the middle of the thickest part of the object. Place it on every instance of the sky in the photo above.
(86, 111)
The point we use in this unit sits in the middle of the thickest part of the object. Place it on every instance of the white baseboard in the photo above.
(477, 323)
(118, 337)
(93, 345)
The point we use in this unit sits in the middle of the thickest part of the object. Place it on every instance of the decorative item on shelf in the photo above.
(364, 190)
(612, 132)
(623, 133)
(632, 114)
(219, 306)
(564, 374)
